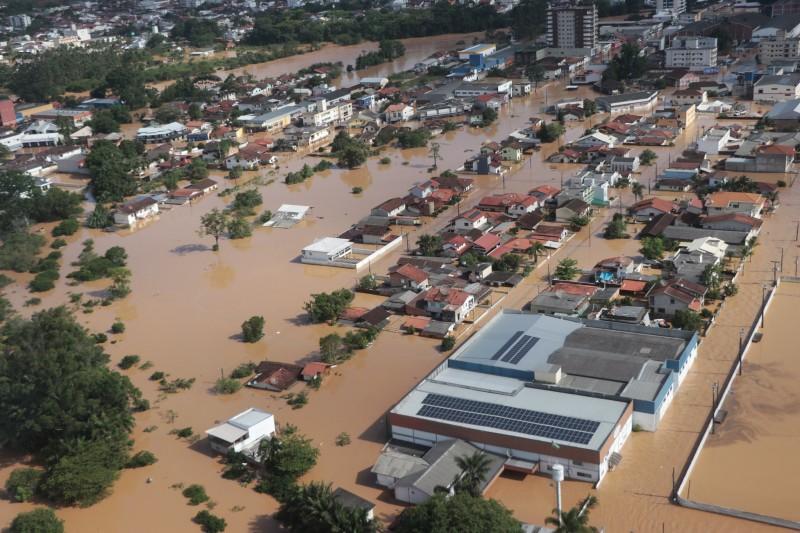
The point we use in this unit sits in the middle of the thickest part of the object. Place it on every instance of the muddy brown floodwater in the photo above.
(751, 462)
(188, 303)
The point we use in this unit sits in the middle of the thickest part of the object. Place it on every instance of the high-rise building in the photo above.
(676, 7)
(572, 26)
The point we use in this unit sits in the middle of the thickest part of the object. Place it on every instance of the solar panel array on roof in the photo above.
(529, 422)
(519, 350)
(505, 346)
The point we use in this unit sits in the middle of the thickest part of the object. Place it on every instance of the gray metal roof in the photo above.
(398, 465)
(443, 470)
(687, 233)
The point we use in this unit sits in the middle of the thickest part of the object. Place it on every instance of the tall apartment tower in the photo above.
(676, 7)
(571, 25)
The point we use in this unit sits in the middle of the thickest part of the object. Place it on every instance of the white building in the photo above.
(777, 88)
(674, 7)
(478, 49)
(326, 250)
(129, 213)
(243, 432)
(714, 140)
(162, 133)
(694, 53)
(487, 86)
(399, 112)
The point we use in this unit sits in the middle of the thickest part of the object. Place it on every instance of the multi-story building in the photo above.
(694, 53)
(777, 88)
(19, 22)
(676, 7)
(771, 50)
(572, 26)
(785, 7)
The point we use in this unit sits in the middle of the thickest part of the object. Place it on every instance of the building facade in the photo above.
(771, 50)
(676, 7)
(694, 53)
(572, 26)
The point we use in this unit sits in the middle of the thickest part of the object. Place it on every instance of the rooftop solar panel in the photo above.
(506, 424)
(565, 428)
(505, 346)
(516, 348)
(530, 343)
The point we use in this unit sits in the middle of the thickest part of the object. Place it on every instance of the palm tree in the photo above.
(638, 190)
(474, 469)
(536, 249)
(575, 520)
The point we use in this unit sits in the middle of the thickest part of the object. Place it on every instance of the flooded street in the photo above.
(188, 303)
(755, 447)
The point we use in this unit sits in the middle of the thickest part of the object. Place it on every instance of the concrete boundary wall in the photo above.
(701, 439)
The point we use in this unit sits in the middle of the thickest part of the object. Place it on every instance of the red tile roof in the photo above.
(411, 272)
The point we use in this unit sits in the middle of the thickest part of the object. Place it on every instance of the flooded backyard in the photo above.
(188, 303)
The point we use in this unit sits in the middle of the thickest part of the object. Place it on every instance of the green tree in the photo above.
(40, 520)
(15, 189)
(210, 523)
(535, 74)
(103, 121)
(326, 307)
(197, 170)
(110, 171)
(551, 132)
(414, 138)
(352, 157)
(461, 513)
(589, 107)
(638, 191)
(567, 269)
(121, 282)
(535, 250)
(574, 520)
(100, 218)
(253, 329)
(488, 116)
(368, 283)
(23, 483)
(688, 320)
(214, 224)
(55, 204)
(57, 389)
(239, 228)
(332, 348)
(284, 458)
(652, 247)
(627, 64)
(128, 83)
(84, 474)
(474, 469)
(648, 157)
(712, 276)
(616, 228)
(429, 245)
(313, 508)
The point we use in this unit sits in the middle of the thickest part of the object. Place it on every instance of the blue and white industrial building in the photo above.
(543, 390)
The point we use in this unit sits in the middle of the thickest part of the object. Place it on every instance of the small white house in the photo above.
(242, 432)
(130, 212)
(399, 112)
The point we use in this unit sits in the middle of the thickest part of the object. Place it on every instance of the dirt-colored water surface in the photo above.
(188, 304)
(753, 453)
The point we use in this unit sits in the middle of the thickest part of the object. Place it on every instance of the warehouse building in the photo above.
(542, 390)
